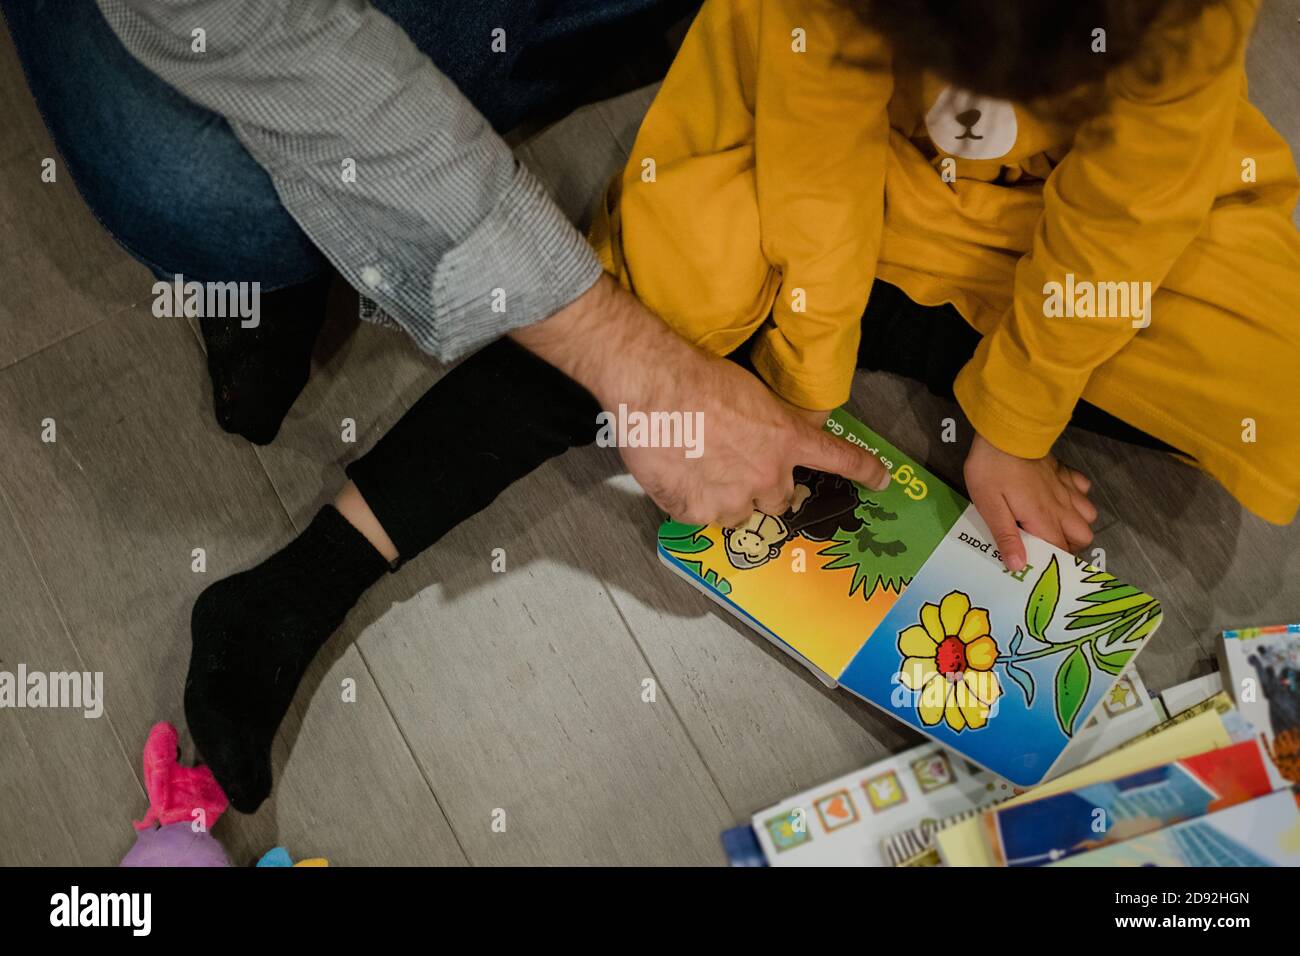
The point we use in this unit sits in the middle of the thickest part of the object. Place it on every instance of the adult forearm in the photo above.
(611, 344)
(748, 441)
(389, 169)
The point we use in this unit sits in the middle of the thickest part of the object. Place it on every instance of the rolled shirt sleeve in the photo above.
(456, 241)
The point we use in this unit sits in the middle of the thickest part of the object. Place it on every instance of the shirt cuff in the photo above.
(521, 264)
(992, 393)
(776, 364)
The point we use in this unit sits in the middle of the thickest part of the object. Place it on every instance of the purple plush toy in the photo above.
(184, 803)
(175, 844)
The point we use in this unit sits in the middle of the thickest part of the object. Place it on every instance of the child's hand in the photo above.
(1041, 495)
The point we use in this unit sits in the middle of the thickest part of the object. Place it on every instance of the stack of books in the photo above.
(1047, 749)
(1190, 782)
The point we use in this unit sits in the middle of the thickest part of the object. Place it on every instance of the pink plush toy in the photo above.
(184, 803)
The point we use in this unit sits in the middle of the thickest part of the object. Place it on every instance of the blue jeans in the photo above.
(169, 180)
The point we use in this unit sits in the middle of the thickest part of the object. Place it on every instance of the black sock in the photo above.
(255, 633)
(257, 373)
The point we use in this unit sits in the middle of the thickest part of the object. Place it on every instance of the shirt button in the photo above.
(371, 277)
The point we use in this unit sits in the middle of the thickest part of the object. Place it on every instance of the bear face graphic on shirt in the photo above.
(969, 126)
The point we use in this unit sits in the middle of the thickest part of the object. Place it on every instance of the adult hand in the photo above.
(752, 443)
(1041, 495)
(751, 439)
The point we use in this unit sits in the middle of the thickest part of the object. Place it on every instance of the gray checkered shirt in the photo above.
(440, 215)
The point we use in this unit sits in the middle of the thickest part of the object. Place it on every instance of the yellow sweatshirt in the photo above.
(1145, 262)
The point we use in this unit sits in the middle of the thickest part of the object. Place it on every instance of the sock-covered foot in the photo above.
(255, 633)
(257, 373)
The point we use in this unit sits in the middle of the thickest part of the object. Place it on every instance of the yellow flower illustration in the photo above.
(948, 660)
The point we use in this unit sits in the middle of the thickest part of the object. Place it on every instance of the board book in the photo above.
(1262, 832)
(901, 597)
(851, 820)
(1261, 669)
(963, 844)
(887, 813)
(1111, 811)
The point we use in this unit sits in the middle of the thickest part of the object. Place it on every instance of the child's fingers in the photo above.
(1079, 481)
(1085, 508)
(1060, 523)
(1077, 533)
(1006, 535)
(1073, 492)
(1047, 527)
(826, 453)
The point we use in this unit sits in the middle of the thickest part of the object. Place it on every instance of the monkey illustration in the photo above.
(822, 505)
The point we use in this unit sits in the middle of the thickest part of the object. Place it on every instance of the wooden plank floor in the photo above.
(480, 695)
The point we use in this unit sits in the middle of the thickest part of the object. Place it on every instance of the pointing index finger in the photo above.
(827, 453)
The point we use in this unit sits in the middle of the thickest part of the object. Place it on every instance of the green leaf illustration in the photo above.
(678, 538)
(897, 535)
(1153, 618)
(688, 545)
(1111, 606)
(1117, 629)
(1099, 577)
(721, 585)
(1110, 593)
(875, 562)
(678, 529)
(1042, 600)
(1113, 663)
(1108, 621)
(1072, 682)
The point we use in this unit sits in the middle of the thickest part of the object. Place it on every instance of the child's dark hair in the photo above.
(1035, 52)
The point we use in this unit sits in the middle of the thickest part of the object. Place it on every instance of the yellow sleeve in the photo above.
(822, 134)
(1121, 207)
